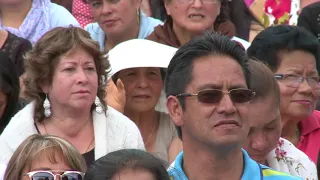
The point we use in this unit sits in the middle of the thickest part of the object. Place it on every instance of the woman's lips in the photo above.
(303, 102)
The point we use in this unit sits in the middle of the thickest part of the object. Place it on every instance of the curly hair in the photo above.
(42, 60)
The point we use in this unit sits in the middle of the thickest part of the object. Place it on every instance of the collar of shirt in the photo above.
(251, 170)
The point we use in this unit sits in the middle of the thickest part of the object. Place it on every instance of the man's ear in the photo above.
(175, 110)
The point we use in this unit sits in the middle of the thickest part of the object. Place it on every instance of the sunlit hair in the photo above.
(263, 82)
(35, 146)
(41, 61)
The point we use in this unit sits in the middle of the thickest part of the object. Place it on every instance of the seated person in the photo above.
(208, 94)
(264, 144)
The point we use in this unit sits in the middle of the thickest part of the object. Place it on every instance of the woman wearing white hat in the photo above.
(140, 65)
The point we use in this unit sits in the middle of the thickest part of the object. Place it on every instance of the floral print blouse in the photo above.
(289, 159)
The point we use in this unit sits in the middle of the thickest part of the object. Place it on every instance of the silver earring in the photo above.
(98, 104)
(47, 106)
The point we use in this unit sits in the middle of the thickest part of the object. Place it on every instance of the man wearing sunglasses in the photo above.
(208, 95)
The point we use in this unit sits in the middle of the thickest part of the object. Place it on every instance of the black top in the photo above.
(16, 47)
(88, 156)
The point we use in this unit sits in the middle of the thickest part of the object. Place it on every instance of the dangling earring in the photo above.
(98, 104)
(138, 16)
(47, 106)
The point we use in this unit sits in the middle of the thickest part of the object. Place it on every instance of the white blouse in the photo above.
(289, 159)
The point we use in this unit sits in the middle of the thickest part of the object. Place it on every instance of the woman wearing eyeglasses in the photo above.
(292, 53)
(45, 157)
(141, 69)
(190, 18)
(263, 143)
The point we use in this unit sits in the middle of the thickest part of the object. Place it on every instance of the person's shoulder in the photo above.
(120, 120)
(93, 28)
(125, 128)
(56, 12)
(271, 174)
(153, 21)
(147, 25)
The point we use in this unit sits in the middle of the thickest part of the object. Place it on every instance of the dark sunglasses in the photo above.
(48, 175)
(214, 96)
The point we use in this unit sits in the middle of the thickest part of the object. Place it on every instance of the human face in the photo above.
(216, 125)
(265, 129)
(75, 82)
(193, 16)
(143, 88)
(3, 103)
(134, 174)
(49, 160)
(115, 17)
(297, 103)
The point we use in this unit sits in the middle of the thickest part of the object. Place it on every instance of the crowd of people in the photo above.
(159, 89)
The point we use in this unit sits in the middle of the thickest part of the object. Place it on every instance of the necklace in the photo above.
(45, 128)
(153, 129)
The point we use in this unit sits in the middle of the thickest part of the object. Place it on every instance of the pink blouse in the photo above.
(310, 136)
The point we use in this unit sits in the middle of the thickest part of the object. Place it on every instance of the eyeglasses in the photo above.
(203, 1)
(294, 81)
(48, 175)
(214, 96)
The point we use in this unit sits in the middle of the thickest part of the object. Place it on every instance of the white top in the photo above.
(113, 131)
(289, 159)
(244, 43)
(61, 17)
(2, 171)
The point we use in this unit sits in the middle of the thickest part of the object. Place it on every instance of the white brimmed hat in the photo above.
(141, 53)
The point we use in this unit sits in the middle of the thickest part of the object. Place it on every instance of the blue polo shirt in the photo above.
(252, 170)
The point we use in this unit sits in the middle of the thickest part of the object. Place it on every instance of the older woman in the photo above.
(189, 18)
(128, 164)
(9, 90)
(45, 157)
(30, 19)
(65, 78)
(292, 53)
(118, 21)
(141, 69)
(264, 144)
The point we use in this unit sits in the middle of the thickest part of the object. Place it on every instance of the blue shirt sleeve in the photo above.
(61, 17)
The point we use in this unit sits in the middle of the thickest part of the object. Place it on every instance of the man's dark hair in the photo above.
(110, 165)
(267, 45)
(179, 72)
